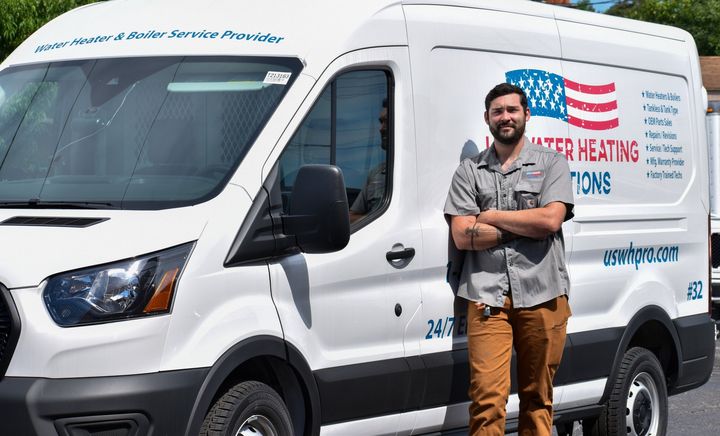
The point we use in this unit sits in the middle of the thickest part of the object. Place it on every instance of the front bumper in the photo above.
(147, 404)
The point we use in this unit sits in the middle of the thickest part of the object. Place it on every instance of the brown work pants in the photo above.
(538, 334)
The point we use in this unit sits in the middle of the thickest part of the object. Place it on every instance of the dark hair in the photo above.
(505, 89)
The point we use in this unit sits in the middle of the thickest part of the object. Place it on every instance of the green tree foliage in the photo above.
(585, 5)
(699, 17)
(20, 18)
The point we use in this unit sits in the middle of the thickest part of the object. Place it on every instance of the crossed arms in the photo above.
(493, 227)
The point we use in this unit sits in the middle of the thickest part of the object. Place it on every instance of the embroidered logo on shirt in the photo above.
(528, 201)
(534, 175)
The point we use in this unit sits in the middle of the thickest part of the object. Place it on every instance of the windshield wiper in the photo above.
(34, 203)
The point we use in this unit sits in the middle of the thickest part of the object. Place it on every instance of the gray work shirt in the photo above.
(372, 192)
(533, 271)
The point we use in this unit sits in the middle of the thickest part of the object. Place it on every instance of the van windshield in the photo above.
(134, 133)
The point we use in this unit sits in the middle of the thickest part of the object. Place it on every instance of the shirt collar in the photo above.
(528, 156)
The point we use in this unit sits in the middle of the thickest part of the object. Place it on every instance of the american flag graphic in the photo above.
(592, 107)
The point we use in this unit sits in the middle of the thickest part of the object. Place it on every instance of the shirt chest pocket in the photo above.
(527, 194)
(486, 199)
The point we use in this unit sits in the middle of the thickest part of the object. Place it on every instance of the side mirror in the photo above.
(318, 220)
(318, 216)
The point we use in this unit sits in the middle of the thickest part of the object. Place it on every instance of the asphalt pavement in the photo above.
(697, 412)
(693, 413)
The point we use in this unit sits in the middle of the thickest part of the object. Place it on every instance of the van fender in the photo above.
(244, 351)
(643, 316)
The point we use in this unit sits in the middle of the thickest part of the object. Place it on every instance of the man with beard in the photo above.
(506, 207)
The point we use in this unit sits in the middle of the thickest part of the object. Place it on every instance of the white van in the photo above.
(225, 217)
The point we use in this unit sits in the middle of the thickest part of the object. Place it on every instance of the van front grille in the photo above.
(9, 329)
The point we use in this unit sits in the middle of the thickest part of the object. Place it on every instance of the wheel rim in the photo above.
(257, 425)
(643, 401)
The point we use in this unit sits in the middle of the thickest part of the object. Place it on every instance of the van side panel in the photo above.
(645, 223)
(621, 107)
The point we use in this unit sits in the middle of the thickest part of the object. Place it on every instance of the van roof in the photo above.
(537, 9)
(315, 31)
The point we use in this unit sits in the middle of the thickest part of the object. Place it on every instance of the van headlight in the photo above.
(130, 288)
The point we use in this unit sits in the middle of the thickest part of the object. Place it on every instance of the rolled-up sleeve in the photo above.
(462, 196)
(557, 185)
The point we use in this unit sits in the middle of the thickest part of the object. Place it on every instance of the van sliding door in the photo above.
(458, 55)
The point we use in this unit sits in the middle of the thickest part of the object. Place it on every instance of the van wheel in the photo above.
(638, 403)
(564, 428)
(249, 408)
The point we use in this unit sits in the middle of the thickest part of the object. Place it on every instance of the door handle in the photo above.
(406, 253)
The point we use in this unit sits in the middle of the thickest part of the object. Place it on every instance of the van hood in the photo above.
(33, 249)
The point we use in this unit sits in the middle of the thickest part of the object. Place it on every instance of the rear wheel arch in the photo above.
(269, 360)
(652, 329)
(638, 403)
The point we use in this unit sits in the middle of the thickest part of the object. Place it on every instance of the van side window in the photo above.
(349, 126)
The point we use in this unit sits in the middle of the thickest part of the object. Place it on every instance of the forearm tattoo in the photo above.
(472, 231)
(501, 236)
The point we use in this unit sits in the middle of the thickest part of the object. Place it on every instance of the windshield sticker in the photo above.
(277, 78)
(175, 34)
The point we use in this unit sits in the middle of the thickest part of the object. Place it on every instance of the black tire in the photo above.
(564, 428)
(638, 402)
(248, 408)
(590, 427)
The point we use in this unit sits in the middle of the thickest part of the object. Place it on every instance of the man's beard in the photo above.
(511, 139)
